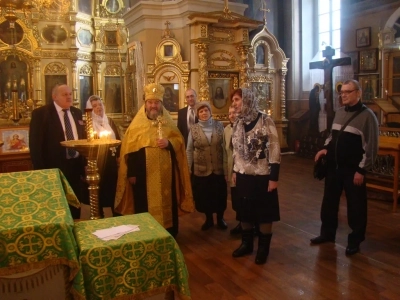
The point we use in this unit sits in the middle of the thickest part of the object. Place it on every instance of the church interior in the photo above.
(294, 55)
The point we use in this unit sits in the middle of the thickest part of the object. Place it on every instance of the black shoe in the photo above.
(243, 250)
(246, 247)
(221, 224)
(351, 250)
(237, 229)
(207, 224)
(321, 239)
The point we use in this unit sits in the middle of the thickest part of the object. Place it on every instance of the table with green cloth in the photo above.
(36, 228)
(138, 265)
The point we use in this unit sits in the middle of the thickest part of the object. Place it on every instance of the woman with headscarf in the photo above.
(256, 155)
(107, 160)
(205, 152)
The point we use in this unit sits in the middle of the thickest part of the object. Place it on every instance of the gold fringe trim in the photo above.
(73, 269)
(32, 280)
(154, 292)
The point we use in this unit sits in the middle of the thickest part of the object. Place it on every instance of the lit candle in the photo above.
(105, 135)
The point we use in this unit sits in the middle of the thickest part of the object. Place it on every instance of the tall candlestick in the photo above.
(15, 110)
(15, 104)
(89, 124)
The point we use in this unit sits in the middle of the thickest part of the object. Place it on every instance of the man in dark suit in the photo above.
(48, 128)
(187, 115)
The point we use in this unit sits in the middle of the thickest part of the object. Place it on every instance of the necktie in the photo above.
(69, 133)
(191, 117)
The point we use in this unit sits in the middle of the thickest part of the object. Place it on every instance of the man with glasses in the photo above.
(350, 154)
(186, 115)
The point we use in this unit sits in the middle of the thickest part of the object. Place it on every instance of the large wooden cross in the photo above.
(327, 65)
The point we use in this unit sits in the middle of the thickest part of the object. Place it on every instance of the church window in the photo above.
(329, 24)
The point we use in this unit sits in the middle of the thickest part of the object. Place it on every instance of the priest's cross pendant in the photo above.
(159, 122)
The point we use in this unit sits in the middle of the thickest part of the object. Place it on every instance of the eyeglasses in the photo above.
(347, 92)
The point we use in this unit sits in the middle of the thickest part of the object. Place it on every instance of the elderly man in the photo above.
(51, 124)
(186, 115)
(154, 165)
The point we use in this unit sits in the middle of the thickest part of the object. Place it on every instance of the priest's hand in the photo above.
(162, 143)
(132, 180)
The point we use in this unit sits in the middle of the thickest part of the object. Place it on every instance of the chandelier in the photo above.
(10, 8)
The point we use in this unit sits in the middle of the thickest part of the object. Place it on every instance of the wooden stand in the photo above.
(390, 146)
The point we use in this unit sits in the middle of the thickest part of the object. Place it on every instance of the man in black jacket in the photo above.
(186, 115)
(350, 154)
(48, 128)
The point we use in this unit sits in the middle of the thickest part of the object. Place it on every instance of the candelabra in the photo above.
(92, 148)
(15, 109)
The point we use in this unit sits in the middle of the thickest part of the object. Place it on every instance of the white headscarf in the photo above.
(100, 123)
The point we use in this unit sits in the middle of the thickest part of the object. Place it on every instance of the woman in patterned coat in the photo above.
(256, 156)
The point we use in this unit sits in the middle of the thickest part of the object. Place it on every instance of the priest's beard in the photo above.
(154, 113)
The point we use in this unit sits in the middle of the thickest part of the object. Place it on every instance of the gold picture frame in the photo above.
(263, 89)
(369, 86)
(171, 97)
(368, 60)
(221, 85)
(363, 37)
(113, 6)
(16, 140)
(54, 34)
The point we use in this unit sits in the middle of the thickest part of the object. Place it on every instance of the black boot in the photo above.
(257, 229)
(208, 223)
(264, 241)
(237, 229)
(220, 221)
(246, 247)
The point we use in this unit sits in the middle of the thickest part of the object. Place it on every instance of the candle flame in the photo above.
(105, 135)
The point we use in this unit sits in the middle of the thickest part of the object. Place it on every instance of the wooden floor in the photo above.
(294, 269)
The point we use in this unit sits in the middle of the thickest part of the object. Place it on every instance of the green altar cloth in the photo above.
(137, 265)
(36, 228)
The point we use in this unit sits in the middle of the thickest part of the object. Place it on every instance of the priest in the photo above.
(153, 175)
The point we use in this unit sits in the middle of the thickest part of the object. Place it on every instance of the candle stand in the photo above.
(91, 148)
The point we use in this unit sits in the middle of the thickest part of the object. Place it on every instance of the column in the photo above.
(74, 85)
(283, 95)
(98, 80)
(202, 48)
(243, 50)
(38, 83)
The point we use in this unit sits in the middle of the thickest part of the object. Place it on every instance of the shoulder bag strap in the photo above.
(363, 107)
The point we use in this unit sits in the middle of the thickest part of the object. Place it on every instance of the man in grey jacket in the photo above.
(350, 155)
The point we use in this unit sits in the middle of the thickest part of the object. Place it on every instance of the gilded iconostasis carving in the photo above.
(53, 46)
(170, 71)
(86, 47)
